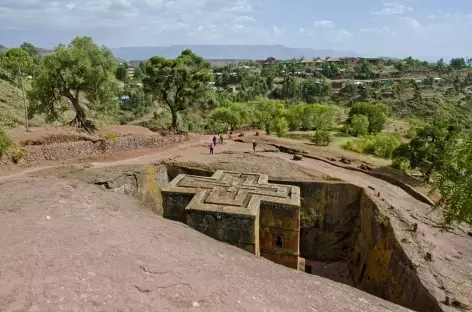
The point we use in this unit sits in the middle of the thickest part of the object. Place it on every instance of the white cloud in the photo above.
(411, 23)
(372, 30)
(394, 7)
(239, 8)
(326, 30)
(130, 22)
(324, 24)
(244, 19)
(279, 31)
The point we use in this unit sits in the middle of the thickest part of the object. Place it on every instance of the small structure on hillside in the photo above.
(241, 209)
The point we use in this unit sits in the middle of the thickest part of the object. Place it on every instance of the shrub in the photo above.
(110, 136)
(375, 112)
(358, 126)
(281, 126)
(400, 163)
(16, 153)
(380, 145)
(5, 142)
(410, 133)
(321, 138)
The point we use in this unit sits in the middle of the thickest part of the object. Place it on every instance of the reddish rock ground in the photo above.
(69, 246)
(450, 272)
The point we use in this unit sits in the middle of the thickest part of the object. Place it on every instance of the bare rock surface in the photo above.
(70, 246)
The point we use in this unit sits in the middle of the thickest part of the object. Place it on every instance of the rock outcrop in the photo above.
(70, 246)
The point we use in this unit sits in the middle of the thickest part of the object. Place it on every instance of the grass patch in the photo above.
(380, 145)
(5, 142)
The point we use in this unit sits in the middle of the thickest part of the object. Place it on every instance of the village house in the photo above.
(130, 72)
(269, 60)
(349, 61)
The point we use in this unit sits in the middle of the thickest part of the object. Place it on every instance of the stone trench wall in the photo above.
(329, 213)
(77, 149)
(338, 221)
(380, 266)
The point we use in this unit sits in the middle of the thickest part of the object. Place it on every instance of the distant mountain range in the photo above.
(214, 52)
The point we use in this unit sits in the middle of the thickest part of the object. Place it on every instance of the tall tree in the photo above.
(82, 67)
(427, 152)
(179, 82)
(17, 62)
(30, 49)
(454, 181)
(122, 72)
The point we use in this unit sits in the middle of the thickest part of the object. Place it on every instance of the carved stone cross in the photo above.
(241, 209)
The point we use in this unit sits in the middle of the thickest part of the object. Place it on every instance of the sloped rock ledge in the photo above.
(78, 149)
(407, 188)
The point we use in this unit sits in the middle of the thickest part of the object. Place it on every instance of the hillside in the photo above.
(227, 52)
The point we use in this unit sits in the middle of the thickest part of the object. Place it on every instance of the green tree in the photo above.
(310, 89)
(308, 117)
(269, 112)
(454, 181)
(358, 126)
(290, 87)
(233, 114)
(139, 102)
(376, 113)
(138, 74)
(428, 151)
(179, 82)
(253, 85)
(330, 70)
(82, 67)
(441, 66)
(364, 70)
(269, 73)
(17, 62)
(457, 62)
(321, 138)
(30, 49)
(121, 72)
(280, 125)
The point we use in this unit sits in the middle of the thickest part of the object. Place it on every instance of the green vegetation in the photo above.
(454, 181)
(321, 138)
(5, 142)
(179, 82)
(417, 113)
(376, 114)
(82, 67)
(381, 145)
(427, 152)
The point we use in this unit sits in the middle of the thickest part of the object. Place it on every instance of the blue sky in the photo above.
(421, 28)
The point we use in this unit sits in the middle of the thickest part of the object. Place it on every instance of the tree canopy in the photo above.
(454, 181)
(82, 67)
(179, 82)
(17, 61)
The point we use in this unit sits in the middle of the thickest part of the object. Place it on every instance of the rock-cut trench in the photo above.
(344, 237)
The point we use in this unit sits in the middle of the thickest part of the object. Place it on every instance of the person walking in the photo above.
(214, 139)
(254, 144)
(221, 139)
(212, 147)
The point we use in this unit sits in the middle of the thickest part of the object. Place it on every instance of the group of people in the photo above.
(216, 137)
(219, 137)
